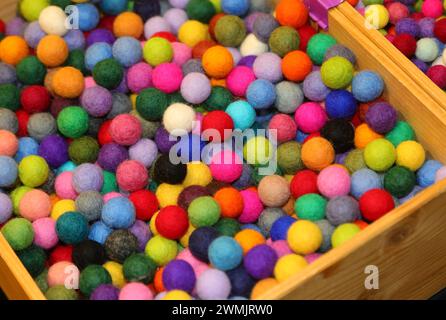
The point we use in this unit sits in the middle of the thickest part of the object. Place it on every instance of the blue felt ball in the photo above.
(280, 228)
(67, 166)
(8, 171)
(235, 7)
(242, 113)
(301, 136)
(200, 240)
(118, 213)
(189, 148)
(127, 51)
(114, 7)
(88, 16)
(99, 232)
(340, 104)
(27, 146)
(72, 228)
(261, 94)
(75, 39)
(364, 180)
(96, 53)
(426, 174)
(241, 282)
(245, 179)
(225, 253)
(367, 86)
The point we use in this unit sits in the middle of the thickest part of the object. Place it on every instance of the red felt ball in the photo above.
(145, 203)
(375, 203)
(23, 118)
(305, 33)
(61, 253)
(165, 35)
(440, 29)
(172, 222)
(311, 136)
(406, 43)
(417, 16)
(2, 26)
(356, 120)
(303, 182)
(438, 75)
(106, 22)
(217, 125)
(104, 135)
(35, 99)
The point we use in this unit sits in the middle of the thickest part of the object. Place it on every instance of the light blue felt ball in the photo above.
(27, 146)
(242, 113)
(367, 86)
(8, 171)
(225, 253)
(99, 232)
(88, 16)
(118, 213)
(127, 51)
(364, 180)
(261, 94)
(96, 53)
(426, 174)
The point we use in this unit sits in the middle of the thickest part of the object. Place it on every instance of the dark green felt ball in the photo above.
(31, 71)
(399, 181)
(151, 104)
(175, 98)
(139, 268)
(227, 227)
(219, 99)
(33, 258)
(76, 59)
(92, 277)
(108, 73)
(201, 10)
(84, 149)
(9, 97)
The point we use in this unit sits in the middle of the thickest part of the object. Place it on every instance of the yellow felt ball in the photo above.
(30, 9)
(304, 237)
(167, 194)
(377, 16)
(410, 154)
(177, 295)
(62, 206)
(198, 173)
(152, 224)
(258, 150)
(116, 273)
(289, 265)
(192, 32)
(184, 240)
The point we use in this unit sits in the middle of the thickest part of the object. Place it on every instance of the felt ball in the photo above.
(192, 32)
(437, 74)
(142, 233)
(217, 62)
(342, 51)
(52, 50)
(41, 125)
(252, 46)
(292, 13)
(279, 228)
(35, 204)
(399, 181)
(179, 119)
(289, 265)
(60, 253)
(128, 24)
(259, 262)
(61, 273)
(13, 49)
(318, 45)
(213, 284)
(19, 233)
(367, 86)
(241, 283)
(157, 51)
(440, 174)
(175, 17)
(8, 73)
(380, 155)
(178, 274)
(230, 201)
(230, 31)
(190, 193)
(131, 175)
(27, 146)
(238, 8)
(381, 117)
(54, 150)
(90, 203)
(108, 73)
(172, 222)
(52, 20)
(410, 154)
(176, 295)
(340, 133)
(97, 101)
(33, 171)
(310, 117)
(87, 177)
(240, 79)
(92, 277)
(364, 135)
(268, 66)
(10, 96)
(96, 53)
(263, 26)
(217, 126)
(342, 209)
(125, 129)
(35, 99)
(72, 228)
(71, 89)
(267, 219)
(8, 120)
(340, 104)
(151, 104)
(72, 122)
(105, 292)
(161, 250)
(116, 272)
(203, 211)
(195, 88)
(100, 35)
(289, 157)
(284, 39)
(225, 253)
(99, 232)
(310, 206)
(406, 43)
(226, 166)
(242, 114)
(337, 72)
(400, 133)
(376, 16)
(334, 181)
(273, 191)
(155, 25)
(168, 194)
(426, 174)
(375, 203)
(296, 65)
(6, 208)
(168, 172)
(354, 160)
(139, 77)
(262, 287)
(9, 143)
(33, 259)
(139, 268)
(317, 153)
(120, 244)
(61, 207)
(304, 237)
(248, 238)
(427, 50)
(432, 8)
(303, 182)
(61, 293)
(343, 233)
(118, 213)
(200, 240)
(440, 30)
(167, 77)
(145, 203)
(289, 96)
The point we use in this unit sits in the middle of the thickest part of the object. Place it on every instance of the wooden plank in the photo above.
(8, 9)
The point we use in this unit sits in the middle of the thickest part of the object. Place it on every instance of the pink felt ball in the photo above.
(125, 129)
(333, 181)
(198, 266)
(432, 8)
(131, 176)
(45, 235)
(280, 247)
(181, 53)
(239, 80)
(64, 186)
(167, 77)
(35, 204)
(310, 117)
(9, 144)
(312, 257)
(284, 127)
(397, 11)
(139, 77)
(111, 195)
(226, 166)
(89, 82)
(63, 273)
(135, 291)
(252, 206)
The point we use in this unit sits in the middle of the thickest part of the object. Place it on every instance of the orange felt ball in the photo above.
(248, 239)
(52, 51)
(158, 280)
(317, 153)
(353, 3)
(263, 286)
(230, 201)
(292, 13)
(13, 49)
(9, 144)
(296, 65)
(218, 82)
(217, 62)
(35, 204)
(68, 82)
(364, 135)
(128, 24)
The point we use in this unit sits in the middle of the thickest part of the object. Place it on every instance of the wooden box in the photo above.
(408, 245)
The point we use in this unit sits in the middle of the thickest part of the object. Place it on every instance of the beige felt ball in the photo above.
(179, 119)
(252, 46)
(274, 191)
(52, 20)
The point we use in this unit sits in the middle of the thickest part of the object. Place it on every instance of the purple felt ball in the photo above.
(420, 64)
(97, 101)
(408, 25)
(105, 292)
(250, 20)
(123, 87)
(142, 233)
(381, 117)
(100, 35)
(247, 61)
(75, 39)
(259, 262)
(111, 155)
(16, 27)
(313, 87)
(87, 177)
(144, 151)
(5, 208)
(175, 18)
(178, 274)
(426, 27)
(162, 140)
(340, 157)
(54, 149)
(33, 34)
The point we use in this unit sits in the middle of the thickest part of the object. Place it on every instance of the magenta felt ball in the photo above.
(333, 181)
(181, 53)
(432, 8)
(195, 88)
(135, 291)
(125, 129)
(45, 235)
(64, 186)
(397, 11)
(281, 247)
(226, 166)
(438, 75)
(167, 77)
(252, 206)
(239, 80)
(285, 127)
(131, 176)
(97, 101)
(310, 117)
(139, 77)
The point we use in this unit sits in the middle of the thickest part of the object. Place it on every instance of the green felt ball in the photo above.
(31, 71)
(401, 132)
(219, 99)
(72, 122)
(19, 233)
(9, 97)
(354, 160)
(227, 227)
(380, 155)
(84, 149)
(59, 292)
(41, 280)
(92, 277)
(203, 211)
(399, 181)
(33, 258)
(289, 157)
(76, 59)
(310, 206)
(175, 97)
(318, 46)
(201, 10)
(157, 50)
(151, 104)
(343, 233)
(337, 72)
(283, 40)
(108, 73)
(230, 31)
(33, 171)
(139, 268)
(110, 184)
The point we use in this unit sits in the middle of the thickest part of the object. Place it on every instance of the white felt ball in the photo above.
(52, 20)
(438, 61)
(179, 119)
(252, 46)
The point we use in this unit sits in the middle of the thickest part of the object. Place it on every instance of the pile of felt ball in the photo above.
(91, 200)
(417, 28)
